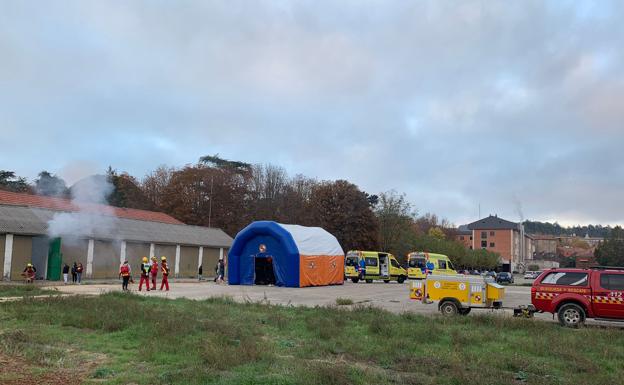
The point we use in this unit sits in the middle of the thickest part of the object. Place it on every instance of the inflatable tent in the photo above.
(285, 255)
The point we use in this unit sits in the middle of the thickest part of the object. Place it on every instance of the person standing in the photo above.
(73, 272)
(220, 271)
(164, 269)
(65, 273)
(145, 271)
(154, 272)
(362, 268)
(124, 273)
(199, 273)
(79, 269)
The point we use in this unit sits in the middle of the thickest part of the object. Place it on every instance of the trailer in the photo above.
(461, 293)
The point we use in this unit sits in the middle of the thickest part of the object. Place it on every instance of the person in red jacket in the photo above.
(145, 270)
(154, 272)
(164, 269)
(124, 273)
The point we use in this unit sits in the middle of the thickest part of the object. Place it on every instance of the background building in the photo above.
(99, 237)
(505, 238)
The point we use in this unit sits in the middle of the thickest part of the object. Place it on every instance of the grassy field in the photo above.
(121, 338)
(23, 290)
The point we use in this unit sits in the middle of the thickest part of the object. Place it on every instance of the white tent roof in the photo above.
(313, 240)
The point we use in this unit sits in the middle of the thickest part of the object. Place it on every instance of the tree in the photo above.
(153, 184)
(436, 232)
(127, 193)
(51, 185)
(611, 251)
(218, 162)
(343, 210)
(10, 182)
(395, 218)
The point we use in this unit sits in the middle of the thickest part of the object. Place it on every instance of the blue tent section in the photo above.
(280, 245)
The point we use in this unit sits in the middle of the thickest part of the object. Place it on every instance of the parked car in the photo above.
(491, 274)
(504, 277)
(532, 274)
(577, 294)
(475, 272)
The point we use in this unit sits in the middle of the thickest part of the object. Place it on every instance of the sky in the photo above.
(513, 107)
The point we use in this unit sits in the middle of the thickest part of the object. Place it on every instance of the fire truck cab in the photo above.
(577, 294)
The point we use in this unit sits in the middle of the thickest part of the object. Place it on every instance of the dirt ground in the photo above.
(17, 371)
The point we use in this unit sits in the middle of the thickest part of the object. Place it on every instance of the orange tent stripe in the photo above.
(319, 270)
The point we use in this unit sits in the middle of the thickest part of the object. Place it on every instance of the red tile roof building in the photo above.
(61, 204)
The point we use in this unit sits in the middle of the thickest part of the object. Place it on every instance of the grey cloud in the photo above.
(456, 103)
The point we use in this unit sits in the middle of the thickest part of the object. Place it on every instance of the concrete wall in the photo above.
(168, 251)
(188, 261)
(135, 253)
(500, 238)
(22, 251)
(209, 261)
(106, 259)
(2, 241)
(75, 250)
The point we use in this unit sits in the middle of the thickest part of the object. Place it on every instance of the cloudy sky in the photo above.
(504, 104)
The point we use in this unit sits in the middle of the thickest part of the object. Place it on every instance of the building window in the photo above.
(471, 237)
(461, 237)
(483, 244)
(492, 233)
(470, 247)
(483, 234)
(491, 244)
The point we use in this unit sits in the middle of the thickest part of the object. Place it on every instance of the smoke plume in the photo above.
(93, 218)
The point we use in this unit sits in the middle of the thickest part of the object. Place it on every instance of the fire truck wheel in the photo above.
(464, 311)
(386, 281)
(355, 280)
(571, 315)
(401, 279)
(449, 308)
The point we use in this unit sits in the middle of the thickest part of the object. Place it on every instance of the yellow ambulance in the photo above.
(420, 263)
(372, 265)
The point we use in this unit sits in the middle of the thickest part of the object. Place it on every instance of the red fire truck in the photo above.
(577, 294)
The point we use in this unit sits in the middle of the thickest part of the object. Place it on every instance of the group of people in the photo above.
(147, 270)
(76, 273)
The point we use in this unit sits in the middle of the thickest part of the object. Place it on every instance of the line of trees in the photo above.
(229, 195)
(555, 229)
(611, 251)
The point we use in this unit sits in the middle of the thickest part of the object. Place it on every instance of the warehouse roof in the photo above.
(22, 219)
(62, 204)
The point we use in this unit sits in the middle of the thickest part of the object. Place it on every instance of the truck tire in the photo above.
(401, 279)
(464, 311)
(449, 308)
(355, 280)
(571, 315)
(386, 281)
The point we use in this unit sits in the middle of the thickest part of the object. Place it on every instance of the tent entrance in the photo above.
(265, 275)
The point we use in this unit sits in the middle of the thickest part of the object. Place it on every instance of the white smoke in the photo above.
(93, 218)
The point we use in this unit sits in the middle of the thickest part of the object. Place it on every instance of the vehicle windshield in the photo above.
(417, 262)
(351, 261)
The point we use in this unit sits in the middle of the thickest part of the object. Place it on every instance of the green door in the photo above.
(54, 260)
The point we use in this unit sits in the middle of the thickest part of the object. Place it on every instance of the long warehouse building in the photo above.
(98, 236)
